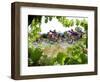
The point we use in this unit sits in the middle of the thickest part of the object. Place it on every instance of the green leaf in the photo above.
(84, 58)
(35, 29)
(77, 22)
(35, 54)
(84, 24)
(79, 60)
(61, 58)
(71, 22)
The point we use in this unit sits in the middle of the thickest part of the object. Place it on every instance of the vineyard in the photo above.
(54, 46)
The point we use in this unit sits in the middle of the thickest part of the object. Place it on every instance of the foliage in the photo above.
(33, 34)
(65, 21)
(62, 19)
(48, 18)
(34, 55)
(84, 24)
(73, 54)
(61, 58)
(77, 22)
(47, 60)
(77, 53)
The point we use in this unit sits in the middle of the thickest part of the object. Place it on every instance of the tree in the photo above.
(33, 34)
